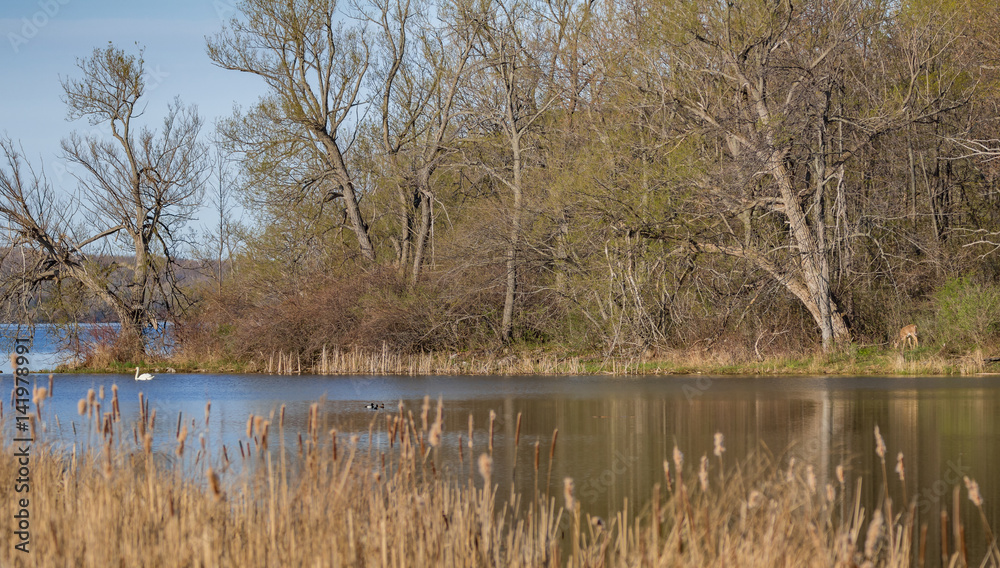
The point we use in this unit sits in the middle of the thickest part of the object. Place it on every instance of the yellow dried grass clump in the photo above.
(122, 504)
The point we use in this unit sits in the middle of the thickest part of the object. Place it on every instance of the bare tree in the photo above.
(315, 68)
(785, 97)
(224, 235)
(422, 70)
(508, 95)
(119, 235)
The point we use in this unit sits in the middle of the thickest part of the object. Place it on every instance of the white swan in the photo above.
(142, 377)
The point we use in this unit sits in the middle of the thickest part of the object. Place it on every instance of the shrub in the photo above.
(967, 312)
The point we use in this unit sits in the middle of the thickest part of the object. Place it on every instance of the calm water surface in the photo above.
(614, 433)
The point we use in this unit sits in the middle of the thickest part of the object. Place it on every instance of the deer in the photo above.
(906, 333)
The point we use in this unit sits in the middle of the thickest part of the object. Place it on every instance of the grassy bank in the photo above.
(330, 502)
(852, 360)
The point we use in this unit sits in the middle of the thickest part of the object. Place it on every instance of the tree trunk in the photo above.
(829, 319)
(358, 224)
(507, 326)
(422, 234)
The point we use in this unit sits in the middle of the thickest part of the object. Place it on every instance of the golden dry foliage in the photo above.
(315, 505)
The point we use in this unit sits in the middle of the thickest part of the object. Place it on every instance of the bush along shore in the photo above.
(132, 497)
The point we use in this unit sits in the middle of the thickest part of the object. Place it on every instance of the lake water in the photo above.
(614, 433)
(48, 343)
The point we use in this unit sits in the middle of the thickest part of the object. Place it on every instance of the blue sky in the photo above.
(40, 41)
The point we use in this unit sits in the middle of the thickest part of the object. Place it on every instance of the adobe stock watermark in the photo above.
(32, 25)
(224, 10)
(595, 485)
(700, 386)
(929, 496)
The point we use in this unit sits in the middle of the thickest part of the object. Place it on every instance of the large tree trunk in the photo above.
(821, 306)
(349, 195)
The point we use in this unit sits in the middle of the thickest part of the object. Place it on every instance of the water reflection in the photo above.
(615, 433)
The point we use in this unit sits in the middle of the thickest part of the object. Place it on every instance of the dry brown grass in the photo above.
(336, 361)
(327, 502)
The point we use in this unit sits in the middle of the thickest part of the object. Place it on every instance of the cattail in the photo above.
(147, 444)
(678, 459)
(874, 535)
(313, 420)
(434, 437)
(250, 427)
(101, 395)
(840, 474)
(181, 437)
(790, 476)
(486, 468)
(264, 426)
(81, 407)
(831, 493)
(208, 410)
(51, 384)
(703, 473)
(568, 494)
(213, 483)
(470, 434)
(90, 402)
(436, 428)
(493, 417)
(719, 447)
(424, 409)
(973, 488)
(38, 395)
(281, 417)
(666, 471)
(899, 467)
(115, 410)
(879, 444)
(811, 479)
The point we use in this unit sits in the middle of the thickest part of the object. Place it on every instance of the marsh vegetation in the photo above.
(319, 498)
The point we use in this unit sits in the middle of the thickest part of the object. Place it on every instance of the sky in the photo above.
(41, 41)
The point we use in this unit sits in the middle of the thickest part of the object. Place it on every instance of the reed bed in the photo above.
(337, 361)
(350, 361)
(324, 500)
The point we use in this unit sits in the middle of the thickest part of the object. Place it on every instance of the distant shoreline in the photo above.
(850, 361)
